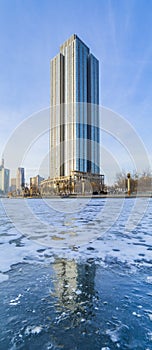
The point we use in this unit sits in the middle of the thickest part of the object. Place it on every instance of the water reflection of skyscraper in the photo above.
(74, 284)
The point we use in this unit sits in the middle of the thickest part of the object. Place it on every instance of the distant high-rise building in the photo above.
(75, 125)
(20, 179)
(13, 185)
(2, 162)
(35, 184)
(4, 178)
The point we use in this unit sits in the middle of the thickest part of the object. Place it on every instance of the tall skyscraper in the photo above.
(20, 179)
(4, 179)
(75, 125)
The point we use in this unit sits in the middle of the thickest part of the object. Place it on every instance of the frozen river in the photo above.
(76, 274)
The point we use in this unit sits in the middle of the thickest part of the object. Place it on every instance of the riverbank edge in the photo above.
(70, 196)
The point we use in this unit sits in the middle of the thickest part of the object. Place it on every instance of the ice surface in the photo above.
(33, 330)
(98, 230)
(3, 277)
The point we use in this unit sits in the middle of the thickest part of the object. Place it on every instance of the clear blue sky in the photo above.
(119, 34)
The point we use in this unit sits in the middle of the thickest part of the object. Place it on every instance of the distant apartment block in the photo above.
(4, 179)
(20, 180)
(35, 184)
(13, 185)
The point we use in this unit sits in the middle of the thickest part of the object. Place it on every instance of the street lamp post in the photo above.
(128, 184)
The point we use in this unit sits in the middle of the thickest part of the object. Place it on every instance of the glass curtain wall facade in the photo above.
(56, 125)
(93, 116)
(74, 135)
(20, 179)
(4, 179)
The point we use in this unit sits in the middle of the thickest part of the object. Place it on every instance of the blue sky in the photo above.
(119, 34)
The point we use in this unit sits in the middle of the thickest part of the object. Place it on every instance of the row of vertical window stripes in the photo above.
(88, 132)
(90, 166)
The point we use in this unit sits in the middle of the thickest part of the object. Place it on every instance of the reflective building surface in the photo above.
(74, 135)
(20, 179)
(4, 179)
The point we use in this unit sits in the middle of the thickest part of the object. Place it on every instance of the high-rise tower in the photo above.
(20, 180)
(74, 135)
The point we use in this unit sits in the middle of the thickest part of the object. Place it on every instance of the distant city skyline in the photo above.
(119, 34)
